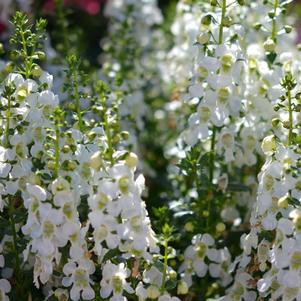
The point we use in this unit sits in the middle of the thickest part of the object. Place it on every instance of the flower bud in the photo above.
(275, 122)
(223, 181)
(68, 165)
(182, 288)
(268, 145)
(173, 274)
(189, 227)
(152, 292)
(204, 38)
(206, 213)
(286, 124)
(262, 266)
(91, 136)
(227, 21)
(41, 55)
(125, 135)
(51, 165)
(206, 20)
(22, 93)
(116, 139)
(132, 160)
(66, 149)
(36, 71)
(269, 45)
(288, 28)
(257, 26)
(9, 67)
(96, 161)
(220, 227)
(271, 14)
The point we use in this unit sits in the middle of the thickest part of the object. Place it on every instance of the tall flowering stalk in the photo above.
(85, 230)
(132, 53)
(215, 94)
(259, 271)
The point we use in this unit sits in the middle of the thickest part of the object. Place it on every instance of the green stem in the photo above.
(57, 150)
(7, 126)
(290, 112)
(212, 154)
(62, 23)
(221, 26)
(27, 59)
(109, 138)
(274, 27)
(220, 41)
(10, 203)
(14, 234)
(165, 266)
(77, 101)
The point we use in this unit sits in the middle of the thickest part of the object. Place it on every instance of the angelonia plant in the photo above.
(71, 202)
(131, 55)
(218, 95)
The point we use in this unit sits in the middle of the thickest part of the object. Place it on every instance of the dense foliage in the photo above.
(150, 155)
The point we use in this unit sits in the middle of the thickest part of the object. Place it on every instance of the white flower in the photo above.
(5, 288)
(79, 277)
(60, 185)
(153, 276)
(4, 166)
(240, 291)
(226, 142)
(195, 255)
(220, 269)
(114, 281)
(36, 192)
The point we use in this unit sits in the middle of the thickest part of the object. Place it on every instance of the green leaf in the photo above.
(170, 284)
(110, 254)
(271, 57)
(159, 265)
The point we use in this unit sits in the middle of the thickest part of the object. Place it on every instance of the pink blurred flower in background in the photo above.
(91, 7)
(3, 27)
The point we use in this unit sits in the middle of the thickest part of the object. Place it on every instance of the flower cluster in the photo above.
(212, 107)
(78, 187)
(197, 255)
(132, 53)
